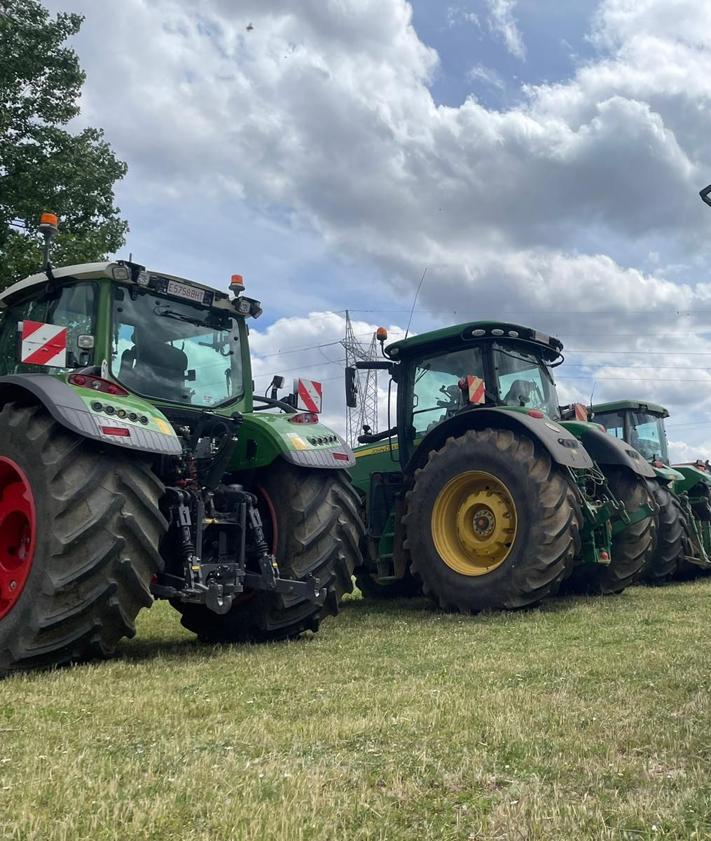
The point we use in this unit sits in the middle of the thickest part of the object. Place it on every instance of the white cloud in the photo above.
(680, 452)
(322, 116)
(503, 22)
(480, 72)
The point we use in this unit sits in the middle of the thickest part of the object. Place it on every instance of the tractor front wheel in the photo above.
(312, 518)
(79, 532)
(490, 522)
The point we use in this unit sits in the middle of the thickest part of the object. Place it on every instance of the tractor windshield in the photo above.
(524, 379)
(175, 350)
(647, 436)
(436, 393)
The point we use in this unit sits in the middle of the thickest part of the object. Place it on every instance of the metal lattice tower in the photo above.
(366, 412)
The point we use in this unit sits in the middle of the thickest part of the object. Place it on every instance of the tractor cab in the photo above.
(472, 365)
(160, 337)
(639, 424)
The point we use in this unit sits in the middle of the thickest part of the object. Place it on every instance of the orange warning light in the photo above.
(48, 222)
(381, 334)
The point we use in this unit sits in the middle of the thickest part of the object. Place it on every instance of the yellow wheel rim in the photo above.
(474, 523)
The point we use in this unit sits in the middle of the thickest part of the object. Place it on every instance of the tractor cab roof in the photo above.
(117, 270)
(631, 405)
(548, 347)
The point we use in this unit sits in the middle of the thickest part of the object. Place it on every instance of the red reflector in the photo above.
(341, 456)
(604, 556)
(535, 413)
(97, 384)
(119, 431)
(303, 417)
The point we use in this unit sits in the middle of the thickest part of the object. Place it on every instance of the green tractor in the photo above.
(481, 495)
(135, 465)
(682, 492)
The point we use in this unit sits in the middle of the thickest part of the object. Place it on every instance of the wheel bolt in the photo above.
(13, 585)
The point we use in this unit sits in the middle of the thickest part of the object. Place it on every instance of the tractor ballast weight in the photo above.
(482, 496)
(134, 465)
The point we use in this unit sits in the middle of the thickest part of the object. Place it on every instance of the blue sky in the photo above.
(542, 160)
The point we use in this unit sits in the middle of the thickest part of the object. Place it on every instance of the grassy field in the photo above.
(586, 719)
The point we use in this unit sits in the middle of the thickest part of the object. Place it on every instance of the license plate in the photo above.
(189, 293)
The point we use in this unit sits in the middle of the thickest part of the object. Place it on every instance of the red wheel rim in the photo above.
(18, 528)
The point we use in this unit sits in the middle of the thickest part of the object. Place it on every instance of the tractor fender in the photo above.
(607, 450)
(265, 437)
(564, 448)
(68, 408)
(667, 475)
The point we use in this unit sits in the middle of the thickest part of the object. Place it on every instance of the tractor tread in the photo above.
(319, 533)
(96, 544)
(540, 566)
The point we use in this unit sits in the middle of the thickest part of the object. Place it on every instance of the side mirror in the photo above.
(351, 388)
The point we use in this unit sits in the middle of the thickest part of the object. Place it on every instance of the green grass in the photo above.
(585, 719)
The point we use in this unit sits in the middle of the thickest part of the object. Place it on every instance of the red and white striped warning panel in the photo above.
(44, 344)
(309, 395)
(476, 390)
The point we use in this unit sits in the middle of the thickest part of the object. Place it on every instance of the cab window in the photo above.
(436, 393)
(71, 305)
(613, 422)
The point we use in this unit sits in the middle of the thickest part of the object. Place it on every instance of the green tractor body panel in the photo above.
(476, 376)
(605, 449)
(123, 421)
(691, 476)
(373, 458)
(668, 475)
(266, 437)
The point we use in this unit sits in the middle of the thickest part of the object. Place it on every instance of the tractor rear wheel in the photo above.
(490, 522)
(631, 547)
(313, 520)
(671, 531)
(79, 531)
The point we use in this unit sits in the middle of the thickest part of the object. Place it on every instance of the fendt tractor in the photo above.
(134, 465)
(481, 495)
(682, 492)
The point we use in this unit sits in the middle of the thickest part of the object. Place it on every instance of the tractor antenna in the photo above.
(409, 322)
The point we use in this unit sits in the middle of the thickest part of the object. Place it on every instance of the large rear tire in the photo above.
(490, 522)
(314, 517)
(91, 526)
(670, 535)
(631, 547)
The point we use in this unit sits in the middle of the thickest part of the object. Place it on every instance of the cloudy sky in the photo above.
(542, 160)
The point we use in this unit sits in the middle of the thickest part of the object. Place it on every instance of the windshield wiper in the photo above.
(178, 316)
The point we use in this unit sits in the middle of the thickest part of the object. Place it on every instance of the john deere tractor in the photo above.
(135, 464)
(480, 495)
(682, 492)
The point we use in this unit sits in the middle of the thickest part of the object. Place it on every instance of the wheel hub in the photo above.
(474, 523)
(17, 533)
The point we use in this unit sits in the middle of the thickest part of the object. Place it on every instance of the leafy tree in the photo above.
(42, 165)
